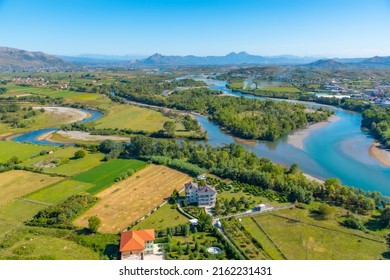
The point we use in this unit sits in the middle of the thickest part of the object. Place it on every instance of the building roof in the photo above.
(207, 189)
(135, 239)
(190, 186)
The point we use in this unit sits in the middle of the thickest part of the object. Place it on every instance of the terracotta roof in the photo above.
(135, 239)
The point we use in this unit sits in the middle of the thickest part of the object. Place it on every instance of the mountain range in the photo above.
(229, 59)
(15, 59)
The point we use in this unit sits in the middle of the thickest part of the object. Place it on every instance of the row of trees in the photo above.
(377, 120)
(61, 215)
(246, 118)
(234, 162)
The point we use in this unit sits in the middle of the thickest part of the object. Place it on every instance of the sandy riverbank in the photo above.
(313, 178)
(46, 136)
(297, 138)
(376, 151)
(85, 136)
(69, 114)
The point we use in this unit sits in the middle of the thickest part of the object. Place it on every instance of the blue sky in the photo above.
(332, 28)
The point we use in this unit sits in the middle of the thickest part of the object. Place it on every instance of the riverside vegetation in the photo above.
(48, 212)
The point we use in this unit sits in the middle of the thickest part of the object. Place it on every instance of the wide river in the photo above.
(340, 149)
(32, 136)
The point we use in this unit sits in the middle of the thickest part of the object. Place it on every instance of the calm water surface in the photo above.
(339, 149)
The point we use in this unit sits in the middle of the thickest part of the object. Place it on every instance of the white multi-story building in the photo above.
(203, 195)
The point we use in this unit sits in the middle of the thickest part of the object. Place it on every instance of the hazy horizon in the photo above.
(331, 29)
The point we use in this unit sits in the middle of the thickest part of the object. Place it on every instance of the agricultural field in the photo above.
(36, 247)
(105, 174)
(282, 89)
(132, 117)
(301, 235)
(15, 213)
(243, 240)
(256, 232)
(17, 183)
(58, 192)
(164, 217)
(21, 150)
(129, 200)
(62, 161)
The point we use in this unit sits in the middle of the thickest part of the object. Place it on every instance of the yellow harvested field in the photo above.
(16, 183)
(129, 200)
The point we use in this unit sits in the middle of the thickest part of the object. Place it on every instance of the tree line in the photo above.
(234, 162)
(245, 118)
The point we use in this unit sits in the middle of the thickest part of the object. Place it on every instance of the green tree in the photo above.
(325, 210)
(174, 195)
(80, 154)
(354, 222)
(385, 216)
(170, 128)
(94, 223)
(186, 229)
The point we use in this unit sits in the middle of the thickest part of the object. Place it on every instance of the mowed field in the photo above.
(300, 237)
(132, 117)
(129, 200)
(22, 151)
(17, 183)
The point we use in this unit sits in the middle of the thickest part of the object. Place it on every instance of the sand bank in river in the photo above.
(69, 114)
(85, 136)
(297, 138)
(379, 153)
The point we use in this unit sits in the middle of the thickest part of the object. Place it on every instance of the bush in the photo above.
(354, 222)
(80, 154)
(94, 223)
(325, 210)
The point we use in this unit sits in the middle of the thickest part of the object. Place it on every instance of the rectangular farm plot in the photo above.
(57, 193)
(17, 183)
(131, 199)
(12, 215)
(105, 174)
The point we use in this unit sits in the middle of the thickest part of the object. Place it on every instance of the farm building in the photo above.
(202, 195)
(136, 243)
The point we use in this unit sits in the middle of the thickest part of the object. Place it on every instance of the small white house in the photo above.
(194, 222)
(260, 207)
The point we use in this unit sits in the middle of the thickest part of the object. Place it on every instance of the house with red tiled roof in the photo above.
(136, 243)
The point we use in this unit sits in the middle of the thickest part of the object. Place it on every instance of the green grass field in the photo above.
(238, 85)
(12, 215)
(259, 235)
(104, 175)
(68, 165)
(281, 89)
(162, 218)
(36, 248)
(23, 151)
(16, 183)
(58, 192)
(132, 117)
(312, 238)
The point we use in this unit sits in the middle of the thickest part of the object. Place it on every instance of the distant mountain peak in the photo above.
(326, 63)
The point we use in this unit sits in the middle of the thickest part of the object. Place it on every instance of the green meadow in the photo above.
(105, 174)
